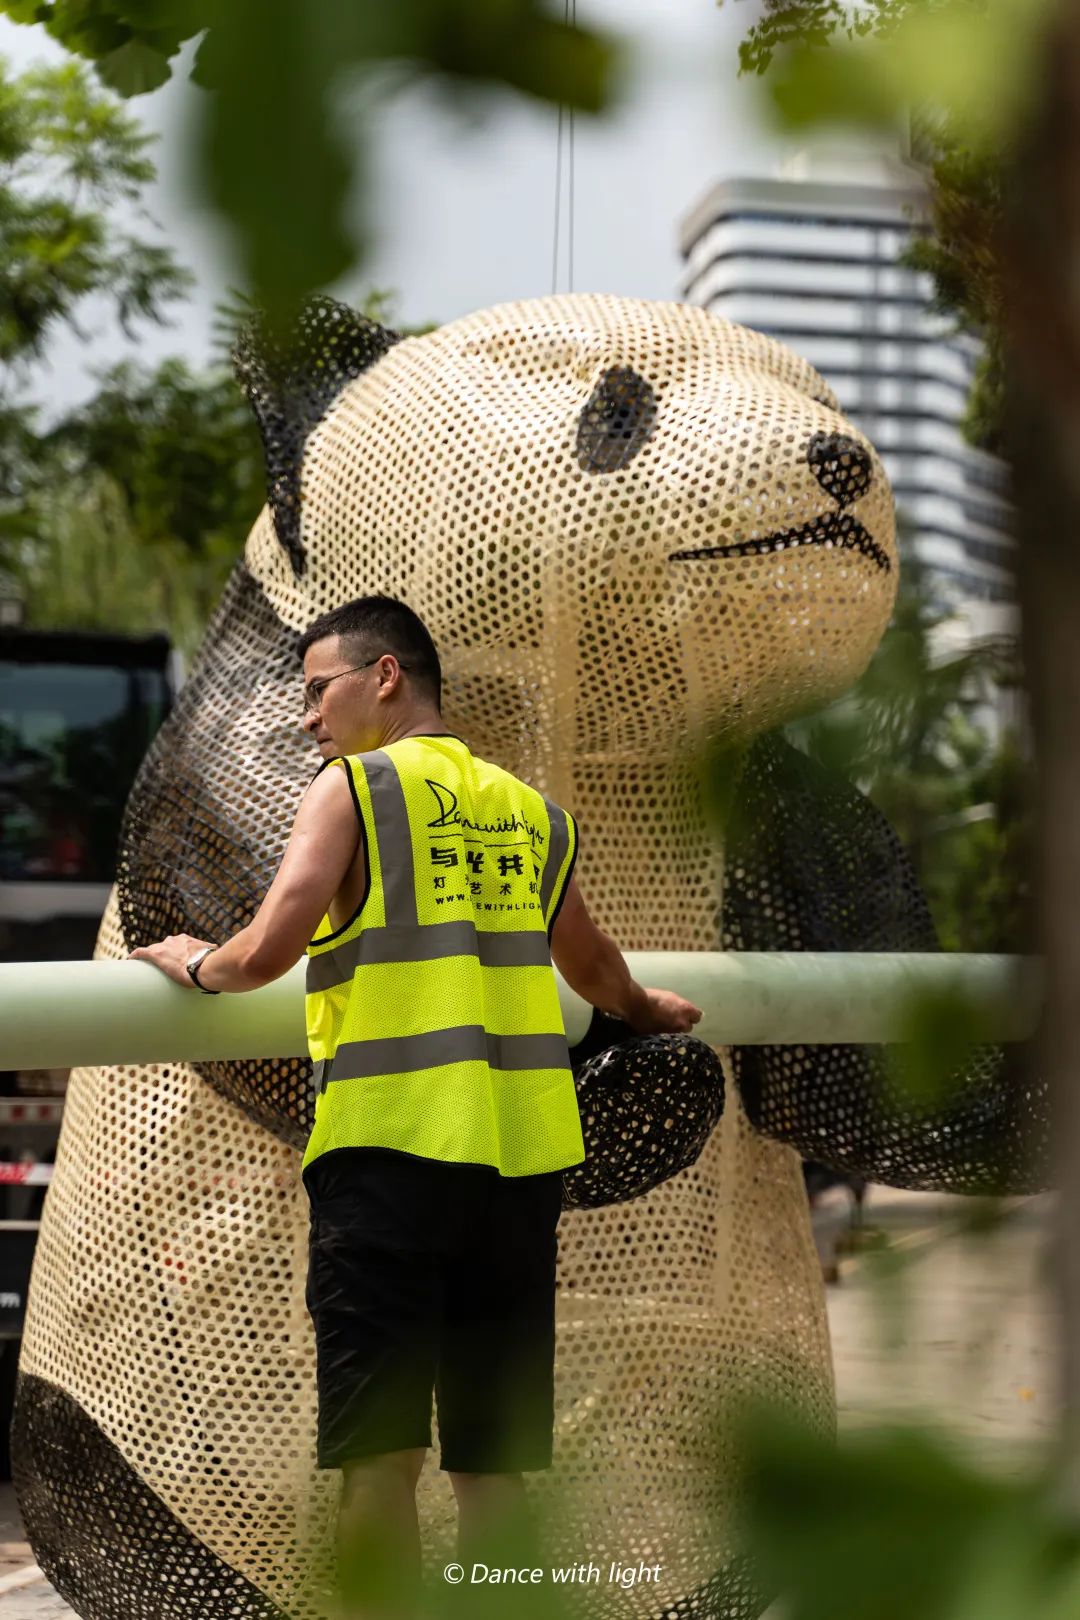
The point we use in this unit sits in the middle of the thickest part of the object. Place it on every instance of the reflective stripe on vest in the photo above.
(444, 1038)
(518, 949)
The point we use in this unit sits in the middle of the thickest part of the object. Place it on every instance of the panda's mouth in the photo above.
(835, 531)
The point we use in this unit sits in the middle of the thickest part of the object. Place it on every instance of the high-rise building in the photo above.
(814, 258)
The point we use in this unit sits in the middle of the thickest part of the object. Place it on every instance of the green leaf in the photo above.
(273, 152)
(977, 61)
(941, 1030)
(189, 16)
(23, 11)
(891, 1525)
(1063, 1600)
(85, 31)
(134, 69)
(843, 85)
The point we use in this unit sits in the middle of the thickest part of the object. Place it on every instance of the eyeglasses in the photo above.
(313, 693)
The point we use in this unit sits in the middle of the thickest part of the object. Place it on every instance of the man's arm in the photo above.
(592, 965)
(321, 846)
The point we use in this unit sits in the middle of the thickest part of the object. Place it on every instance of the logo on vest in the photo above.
(450, 816)
(446, 799)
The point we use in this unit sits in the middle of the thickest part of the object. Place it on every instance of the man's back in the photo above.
(433, 1014)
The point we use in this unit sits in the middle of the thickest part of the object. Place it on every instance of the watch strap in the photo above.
(193, 970)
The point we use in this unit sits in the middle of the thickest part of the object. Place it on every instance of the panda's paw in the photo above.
(648, 1105)
(984, 1129)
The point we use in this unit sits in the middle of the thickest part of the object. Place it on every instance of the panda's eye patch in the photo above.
(841, 465)
(618, 418)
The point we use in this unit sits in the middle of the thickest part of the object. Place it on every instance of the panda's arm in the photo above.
(813, 865)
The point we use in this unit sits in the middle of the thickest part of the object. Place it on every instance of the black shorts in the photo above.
(429, 1276)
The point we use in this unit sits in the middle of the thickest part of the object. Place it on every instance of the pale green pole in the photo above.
(57, 1015)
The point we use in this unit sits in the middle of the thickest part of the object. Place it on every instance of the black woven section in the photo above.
(209, 817)
(291, 379)
(844, 469)
(647, 1103)
(618, 418)
(812, 865)
(105, 1540)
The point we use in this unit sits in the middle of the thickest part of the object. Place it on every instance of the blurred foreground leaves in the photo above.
(959, 74)
(280, 148)
(944, 1032)
(891, 1524)
(127, 512)
(913, 734)
(974, 58)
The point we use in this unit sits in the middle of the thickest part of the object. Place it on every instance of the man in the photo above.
(431, 891)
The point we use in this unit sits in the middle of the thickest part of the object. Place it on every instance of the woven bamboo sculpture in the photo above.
(633, 529)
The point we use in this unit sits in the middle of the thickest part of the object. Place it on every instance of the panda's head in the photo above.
(627, 526)
(636, 522)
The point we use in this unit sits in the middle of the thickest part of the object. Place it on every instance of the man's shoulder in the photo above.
(371, 759)
(521, 783)
(348, 769)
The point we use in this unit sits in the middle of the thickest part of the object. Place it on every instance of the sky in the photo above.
(463, 211)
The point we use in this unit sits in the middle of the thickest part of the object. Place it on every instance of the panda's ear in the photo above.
(291, 376)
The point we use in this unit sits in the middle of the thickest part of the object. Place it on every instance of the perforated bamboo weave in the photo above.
(630, 527)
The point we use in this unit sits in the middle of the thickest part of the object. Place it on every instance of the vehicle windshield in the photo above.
(72, 736)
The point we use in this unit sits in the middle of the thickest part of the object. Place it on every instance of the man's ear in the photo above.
(292, 374)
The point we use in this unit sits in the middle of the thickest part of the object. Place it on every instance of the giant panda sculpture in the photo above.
(637, 531)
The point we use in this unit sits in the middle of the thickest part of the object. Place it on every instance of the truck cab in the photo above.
(78, 711)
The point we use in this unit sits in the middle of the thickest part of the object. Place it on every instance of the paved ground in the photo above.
(966, 1334)
(965, 1338)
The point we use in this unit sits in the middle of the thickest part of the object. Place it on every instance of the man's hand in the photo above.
(592, 965)
(662, 1012)
(172, 956)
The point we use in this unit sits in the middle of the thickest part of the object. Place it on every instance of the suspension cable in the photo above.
(565, 126)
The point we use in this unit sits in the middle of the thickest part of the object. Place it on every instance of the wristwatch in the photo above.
(193, 969)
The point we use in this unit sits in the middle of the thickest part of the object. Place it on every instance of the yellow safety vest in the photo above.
(433, 1015)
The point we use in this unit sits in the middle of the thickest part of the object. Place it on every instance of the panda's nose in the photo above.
(841, 465)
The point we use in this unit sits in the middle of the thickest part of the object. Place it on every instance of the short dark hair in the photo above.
(377, 624)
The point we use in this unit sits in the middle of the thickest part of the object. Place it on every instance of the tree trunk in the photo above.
(1042, 256)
